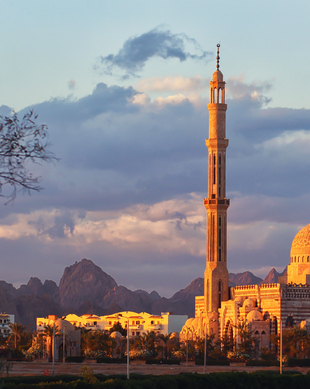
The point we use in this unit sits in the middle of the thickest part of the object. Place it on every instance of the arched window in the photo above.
(220, 293)
(289, 321)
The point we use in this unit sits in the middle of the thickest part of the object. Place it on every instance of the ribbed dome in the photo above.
(249, 303)
(217, 76)
(254, 315)
(301, 243)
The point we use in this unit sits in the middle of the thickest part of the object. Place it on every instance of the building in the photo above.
(67, 337)
(263, 307)
(5, 321)
(165, 323)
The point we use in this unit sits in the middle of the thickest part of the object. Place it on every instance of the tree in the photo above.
(118, 327)
(48, 334)
(97, 344)
(246, 342)
(21, 141)
(17, 331)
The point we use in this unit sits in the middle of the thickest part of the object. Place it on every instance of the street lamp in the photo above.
(53, 349)
(127, 344)
(281, 345)
(187, 329)
(205, 351)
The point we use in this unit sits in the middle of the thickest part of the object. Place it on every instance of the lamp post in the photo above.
(64, 345)
(53, 350)
(187, 329)
(281, 345)
(205, 351)
(127, 344)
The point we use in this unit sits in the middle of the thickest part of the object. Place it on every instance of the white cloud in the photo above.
(176, 99)
(169, 84)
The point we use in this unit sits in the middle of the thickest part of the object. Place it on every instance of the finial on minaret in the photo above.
(218, 56)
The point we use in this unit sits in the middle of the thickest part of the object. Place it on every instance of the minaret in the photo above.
(216, 274)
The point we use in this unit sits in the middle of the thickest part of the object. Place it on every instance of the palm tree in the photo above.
(48, 333)
(17, 331)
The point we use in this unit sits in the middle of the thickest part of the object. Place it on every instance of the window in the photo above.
(138, 322)
(152, 321)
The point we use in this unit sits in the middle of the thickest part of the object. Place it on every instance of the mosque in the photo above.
(264, 306)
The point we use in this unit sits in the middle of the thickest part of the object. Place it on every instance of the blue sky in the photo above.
(124, 88)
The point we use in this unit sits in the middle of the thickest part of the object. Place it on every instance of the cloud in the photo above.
(169, 83)
(136, 51)
(132, 176)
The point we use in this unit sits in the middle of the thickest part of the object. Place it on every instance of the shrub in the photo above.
(75, 359)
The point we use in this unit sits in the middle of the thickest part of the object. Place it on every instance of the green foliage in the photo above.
(74, 359)
(246, 342)
(258, 380)
(118, 327)
(88, 375)
(96, 344)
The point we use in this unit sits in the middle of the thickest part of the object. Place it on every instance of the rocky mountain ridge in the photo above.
(86, 288)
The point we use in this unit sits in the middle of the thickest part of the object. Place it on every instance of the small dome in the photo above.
(64, 324)
(301, 243)
(116, 334)
(249, 303)
(195, 322)
(189, 321)
(217, 76)
(307, 271)
(254, 315)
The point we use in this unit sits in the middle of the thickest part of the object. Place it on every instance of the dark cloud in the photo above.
(116, 154)
(136, 51)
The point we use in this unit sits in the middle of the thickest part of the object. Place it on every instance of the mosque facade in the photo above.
(263, 307)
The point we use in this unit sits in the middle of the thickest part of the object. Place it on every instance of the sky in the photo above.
(123, 87)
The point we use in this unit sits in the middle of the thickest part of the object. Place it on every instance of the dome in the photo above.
(254, 315)
(249, 303)
(64, 324)
(301, 243)
(116, 334)
(217, 76)
(189, 321)
(195, 322)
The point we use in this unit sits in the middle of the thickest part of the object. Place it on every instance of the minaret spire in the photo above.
(218, 57)
(216, 274)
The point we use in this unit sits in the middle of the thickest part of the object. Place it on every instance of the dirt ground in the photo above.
(46, 368)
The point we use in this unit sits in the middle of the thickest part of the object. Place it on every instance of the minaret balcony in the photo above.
(208, 201)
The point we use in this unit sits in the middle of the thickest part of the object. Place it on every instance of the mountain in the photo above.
(245, 278)
(182, 302)
(83, 282)
(86, 288)
(272, 276)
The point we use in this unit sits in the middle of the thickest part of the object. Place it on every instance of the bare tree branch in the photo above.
(22, 141)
